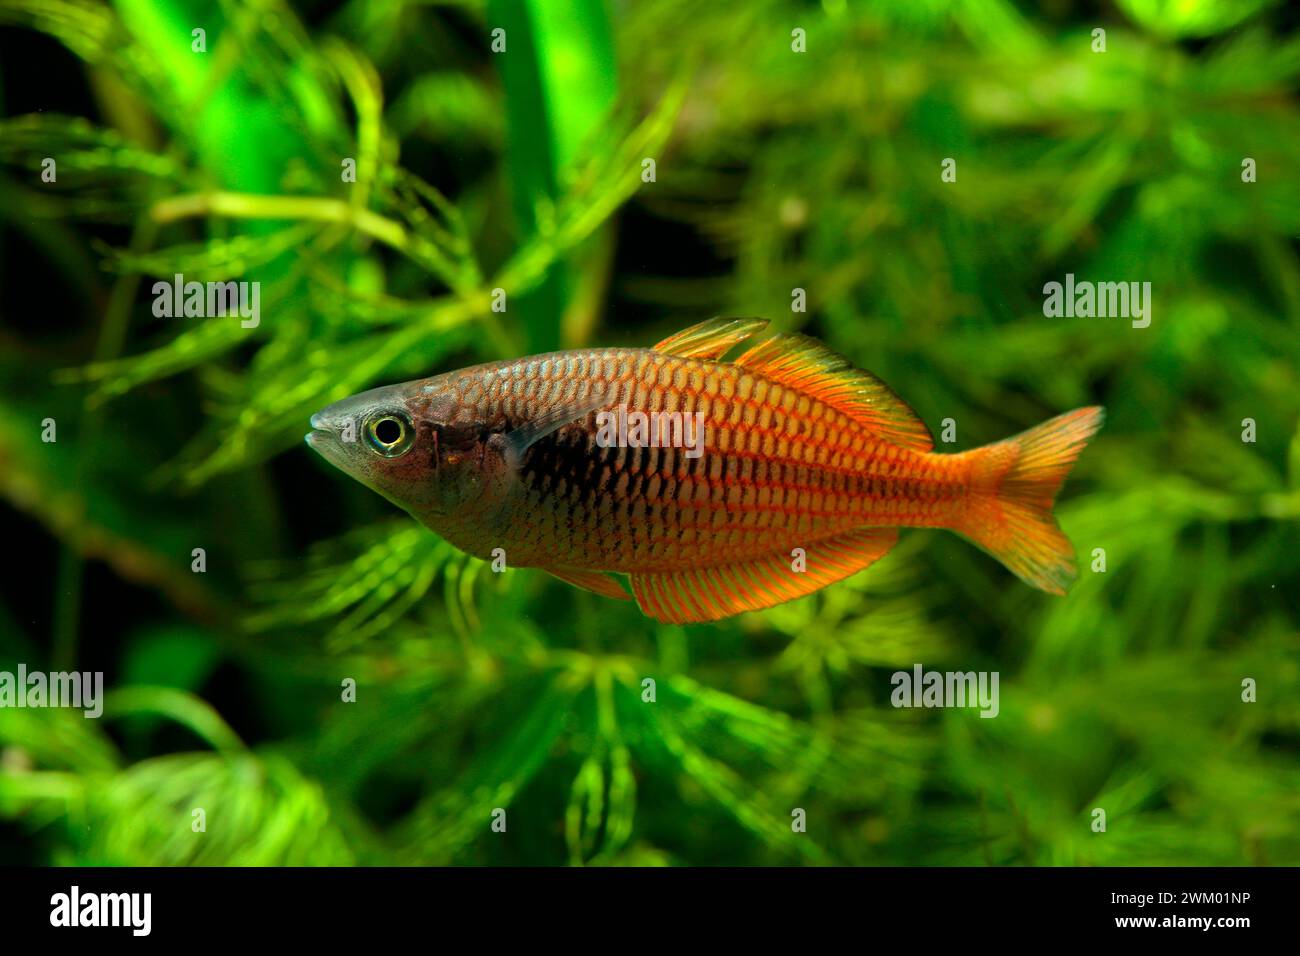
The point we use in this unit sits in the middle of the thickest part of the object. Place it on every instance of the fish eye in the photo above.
(390, 434)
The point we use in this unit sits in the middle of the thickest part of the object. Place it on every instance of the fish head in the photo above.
(419, 444)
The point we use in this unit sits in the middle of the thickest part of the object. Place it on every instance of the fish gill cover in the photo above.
(218, 218)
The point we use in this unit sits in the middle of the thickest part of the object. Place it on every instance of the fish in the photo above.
(800, 472)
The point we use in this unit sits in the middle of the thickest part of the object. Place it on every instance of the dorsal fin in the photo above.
(711, 339)
(806, 364)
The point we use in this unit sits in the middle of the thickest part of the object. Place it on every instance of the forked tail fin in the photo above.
(1013, 486)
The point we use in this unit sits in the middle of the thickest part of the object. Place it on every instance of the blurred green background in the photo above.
(523, 169)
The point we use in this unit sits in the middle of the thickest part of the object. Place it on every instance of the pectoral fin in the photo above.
(520, 439)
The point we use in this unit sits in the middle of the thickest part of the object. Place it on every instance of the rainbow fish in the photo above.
(716, 486)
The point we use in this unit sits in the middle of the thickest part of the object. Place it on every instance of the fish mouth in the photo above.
(319, 432)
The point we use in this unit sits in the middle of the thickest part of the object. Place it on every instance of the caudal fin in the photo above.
(1013, 486)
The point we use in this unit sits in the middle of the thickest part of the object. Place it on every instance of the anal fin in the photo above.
(708, 594)
(594, 581)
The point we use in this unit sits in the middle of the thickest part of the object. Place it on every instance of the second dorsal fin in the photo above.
(804, 363)
(711, 339)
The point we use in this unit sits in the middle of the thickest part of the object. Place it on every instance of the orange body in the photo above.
(779, 469)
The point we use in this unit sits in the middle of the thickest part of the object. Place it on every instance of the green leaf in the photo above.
(1192, 18)
(559, 75)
